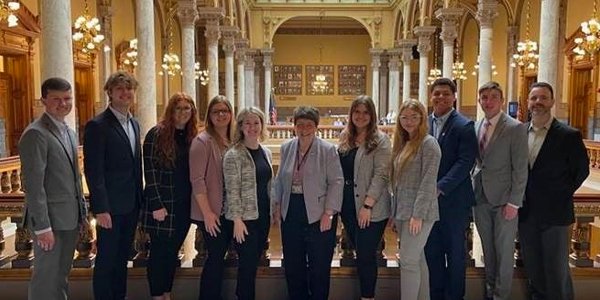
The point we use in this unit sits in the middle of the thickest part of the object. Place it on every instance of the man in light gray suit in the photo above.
(499, 179)
(54, 205)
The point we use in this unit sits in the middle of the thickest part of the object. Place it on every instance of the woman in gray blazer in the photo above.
(307, 193)
(364, 153)
(248, 172)
(413, 174)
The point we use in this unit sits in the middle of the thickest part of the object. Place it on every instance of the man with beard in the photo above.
(558, 165)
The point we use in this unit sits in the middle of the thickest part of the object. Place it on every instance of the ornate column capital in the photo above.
(210, 16)
(210, 13)
(449, 18)
(267, 53)
(405, 46)
(241, 46)
(394, 59)
(187, 12)
(424, 34)
(487, 11)
(376, 53)
(249, 63)
(228, 45)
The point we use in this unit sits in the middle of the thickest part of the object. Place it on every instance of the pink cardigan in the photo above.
(206, 174)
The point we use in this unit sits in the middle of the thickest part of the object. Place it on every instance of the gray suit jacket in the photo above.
(51, 179)
(500, 173)
(371, 177)
(322, 183)
(415, 192)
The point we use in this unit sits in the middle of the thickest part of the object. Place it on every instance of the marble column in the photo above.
(375, 64)
(249, 78)
(548, 60)
(406, 47)
(240, 56)
(450, 18)
(394, 79)
(513, 35)
(258, 79)
(188, 14)
(105, 67)
(146, 70)
(267, 54)
(211, 17)
(424, 34)
(228, 44)
(487, 11)
(57, 57)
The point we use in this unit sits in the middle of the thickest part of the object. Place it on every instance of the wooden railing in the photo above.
(587, 207)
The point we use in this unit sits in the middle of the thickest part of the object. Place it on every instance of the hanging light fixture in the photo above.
(87, 35)
(458, 67)
(320, 84)
(434, 73)
(476, 69)
(590, 43)
(131, 54)
(7, 12)
(201, 75)
(527, 52)
(170, 63)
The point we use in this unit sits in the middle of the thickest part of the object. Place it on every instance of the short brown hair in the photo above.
(491, 85)
(306, 112)
(120, 78)
(542, 84)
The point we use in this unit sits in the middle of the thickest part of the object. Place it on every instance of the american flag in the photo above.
(272, 110)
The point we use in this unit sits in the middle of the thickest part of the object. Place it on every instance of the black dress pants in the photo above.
(113, 250)
(163, 259)
(211, 281)
(249, 253)
(301, 241)
(365, 241)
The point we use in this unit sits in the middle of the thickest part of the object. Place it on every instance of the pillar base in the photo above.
(22, 263)
(87, 262)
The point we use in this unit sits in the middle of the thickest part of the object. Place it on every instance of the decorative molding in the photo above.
(424, 34)
(187, 12)
(405, 46)
(375, 25)
(323, 31)
(487, 11)
(268, 24)
(450, 18)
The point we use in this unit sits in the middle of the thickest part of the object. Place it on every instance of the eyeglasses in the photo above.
(183, 109)
(218, 112)
(405, 119)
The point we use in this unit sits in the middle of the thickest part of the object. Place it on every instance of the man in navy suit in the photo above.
(113, 169)
(445, 248)
(558, 165)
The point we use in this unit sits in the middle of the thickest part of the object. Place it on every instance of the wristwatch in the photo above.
(366, 206)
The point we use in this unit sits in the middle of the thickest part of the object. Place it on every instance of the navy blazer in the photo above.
(113, 172)
(458, 143)
(558, 171)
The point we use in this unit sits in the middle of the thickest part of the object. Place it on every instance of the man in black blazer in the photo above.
(558, 165)
(445, 248)
(113, 169)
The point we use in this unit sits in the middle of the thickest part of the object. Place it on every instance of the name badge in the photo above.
(296, 189)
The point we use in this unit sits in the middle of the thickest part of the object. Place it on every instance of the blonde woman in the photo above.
(248, 171)
(206, 175)
(364, 153)
(414, 166)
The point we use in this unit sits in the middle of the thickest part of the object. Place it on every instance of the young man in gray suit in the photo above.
(54, 205)
(499, 179)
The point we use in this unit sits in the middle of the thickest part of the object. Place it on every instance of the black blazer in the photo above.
(458, 143)
(112, 171)
(559, 170)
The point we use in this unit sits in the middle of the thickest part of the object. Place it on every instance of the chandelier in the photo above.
(434, 74)
(458, 71)
(87, 32)
(7, 10)
(590, 43)
(170, 62)
(527, 52)
(320, 84)
(476, 69)
(131, 54)
(201, 75)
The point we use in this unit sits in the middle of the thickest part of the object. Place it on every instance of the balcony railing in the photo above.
(587, 207)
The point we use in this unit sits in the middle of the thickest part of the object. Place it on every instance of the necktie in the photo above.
(483, 136)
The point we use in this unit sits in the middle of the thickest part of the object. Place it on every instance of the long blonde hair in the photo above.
(405, 147)
(238, 136)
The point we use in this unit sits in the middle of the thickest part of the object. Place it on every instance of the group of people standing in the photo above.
(425, 184)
